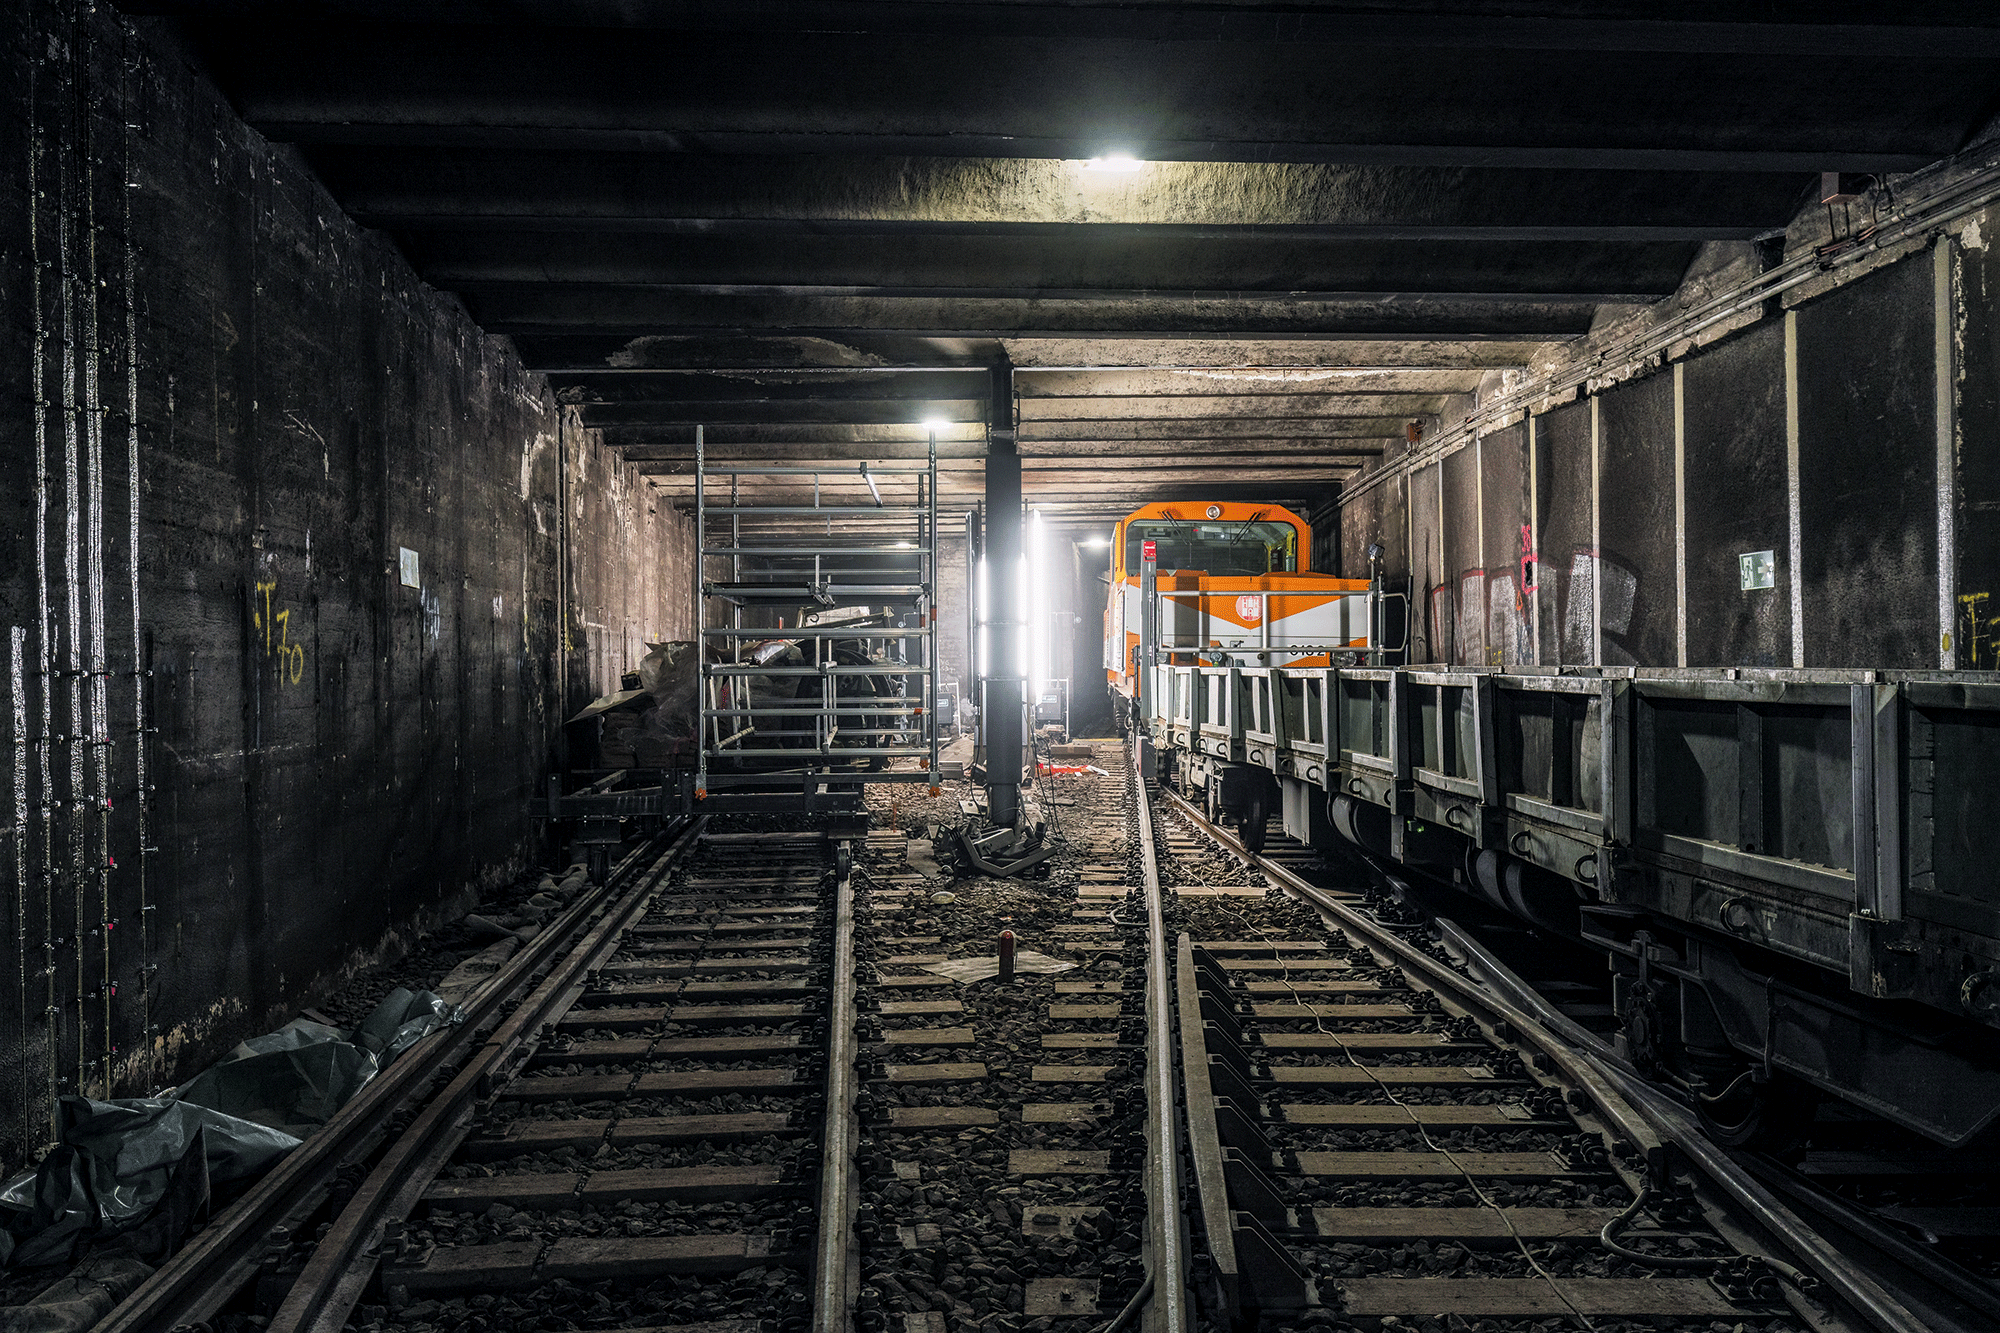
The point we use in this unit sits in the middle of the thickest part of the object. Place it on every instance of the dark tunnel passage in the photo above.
(1546, 456)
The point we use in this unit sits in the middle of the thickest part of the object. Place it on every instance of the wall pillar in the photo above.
(1000, 708)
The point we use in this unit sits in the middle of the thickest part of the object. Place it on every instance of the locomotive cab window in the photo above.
(1220, 547)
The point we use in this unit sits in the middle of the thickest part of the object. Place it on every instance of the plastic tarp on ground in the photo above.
(115, 1160)
(296, 1078)
(113, 1165)
(293, 1079)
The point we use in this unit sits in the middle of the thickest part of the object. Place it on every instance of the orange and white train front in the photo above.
(1228, 579)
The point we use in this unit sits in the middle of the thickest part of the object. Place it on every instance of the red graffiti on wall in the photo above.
(1524, 583)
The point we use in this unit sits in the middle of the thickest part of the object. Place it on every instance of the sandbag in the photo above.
(90, 1292)
(402, 1019)
(470, 974)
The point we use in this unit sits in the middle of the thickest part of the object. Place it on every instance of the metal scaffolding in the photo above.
(819, 648)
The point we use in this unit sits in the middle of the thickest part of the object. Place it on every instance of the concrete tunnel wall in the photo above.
(244, 757)
(1808, 428)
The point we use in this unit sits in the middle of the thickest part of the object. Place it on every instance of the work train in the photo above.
(1785, 869)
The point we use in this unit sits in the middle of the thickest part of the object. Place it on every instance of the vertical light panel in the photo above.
(1446, 577)
(1024, 644)
(1038, 594)
(1410, 557)
(1680, 516)
(1945, 382)
(1492, 653)
(1479, 495)
(1596, 538)
(1533, 555)
(1796, 553)
(985, 645)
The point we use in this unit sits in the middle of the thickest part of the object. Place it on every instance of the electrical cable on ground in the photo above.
(1607, 1238)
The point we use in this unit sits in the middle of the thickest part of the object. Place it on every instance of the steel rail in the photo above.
(1168, 1311)
(1959, 1283)
(224, 1255)
(1614, 1109)
(835, 1274)
(344, 1262)
(1837, 1270)
(1210, 1181)
(1639, 1113)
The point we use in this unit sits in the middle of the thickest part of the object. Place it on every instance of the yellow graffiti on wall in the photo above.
(288, 658)
(1981, 639)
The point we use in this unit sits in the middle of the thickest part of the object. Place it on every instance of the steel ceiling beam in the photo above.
(834, 198)
(1951, 31)
(629, 312)
(1058, 94)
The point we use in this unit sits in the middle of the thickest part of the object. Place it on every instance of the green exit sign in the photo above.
(1757, 569)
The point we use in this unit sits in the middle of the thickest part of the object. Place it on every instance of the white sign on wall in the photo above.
(1757, 569)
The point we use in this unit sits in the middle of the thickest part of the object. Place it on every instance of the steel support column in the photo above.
(1000, 708)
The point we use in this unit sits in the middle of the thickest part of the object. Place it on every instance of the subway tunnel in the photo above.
(452, 443)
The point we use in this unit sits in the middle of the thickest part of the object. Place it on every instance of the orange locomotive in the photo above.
(1230, 590)
(1230, 594)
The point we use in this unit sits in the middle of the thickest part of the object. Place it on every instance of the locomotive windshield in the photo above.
(1224, 547)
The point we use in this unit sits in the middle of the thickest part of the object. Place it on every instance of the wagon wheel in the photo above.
(1250, 825)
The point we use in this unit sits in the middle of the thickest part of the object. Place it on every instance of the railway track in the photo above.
(759, 1084)
(639, 1099)
(1006, 1122)
(664, 1132)
(1830, 1264)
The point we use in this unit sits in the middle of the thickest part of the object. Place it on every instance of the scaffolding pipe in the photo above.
(97, 712)
(927, 608)
(72, 625)
(41, 1110)
(141, 671)
(18, 642)
(884, 649)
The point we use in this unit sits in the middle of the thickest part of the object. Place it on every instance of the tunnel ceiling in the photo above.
(807, 226)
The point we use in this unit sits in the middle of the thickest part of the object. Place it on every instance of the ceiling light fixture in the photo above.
(1113, 162)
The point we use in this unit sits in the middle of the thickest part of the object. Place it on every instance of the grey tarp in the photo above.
(112, 1165)
(297, 1077)
(114, 1158)
(295, 1084)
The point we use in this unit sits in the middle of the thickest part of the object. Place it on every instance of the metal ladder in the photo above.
(825, 605)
